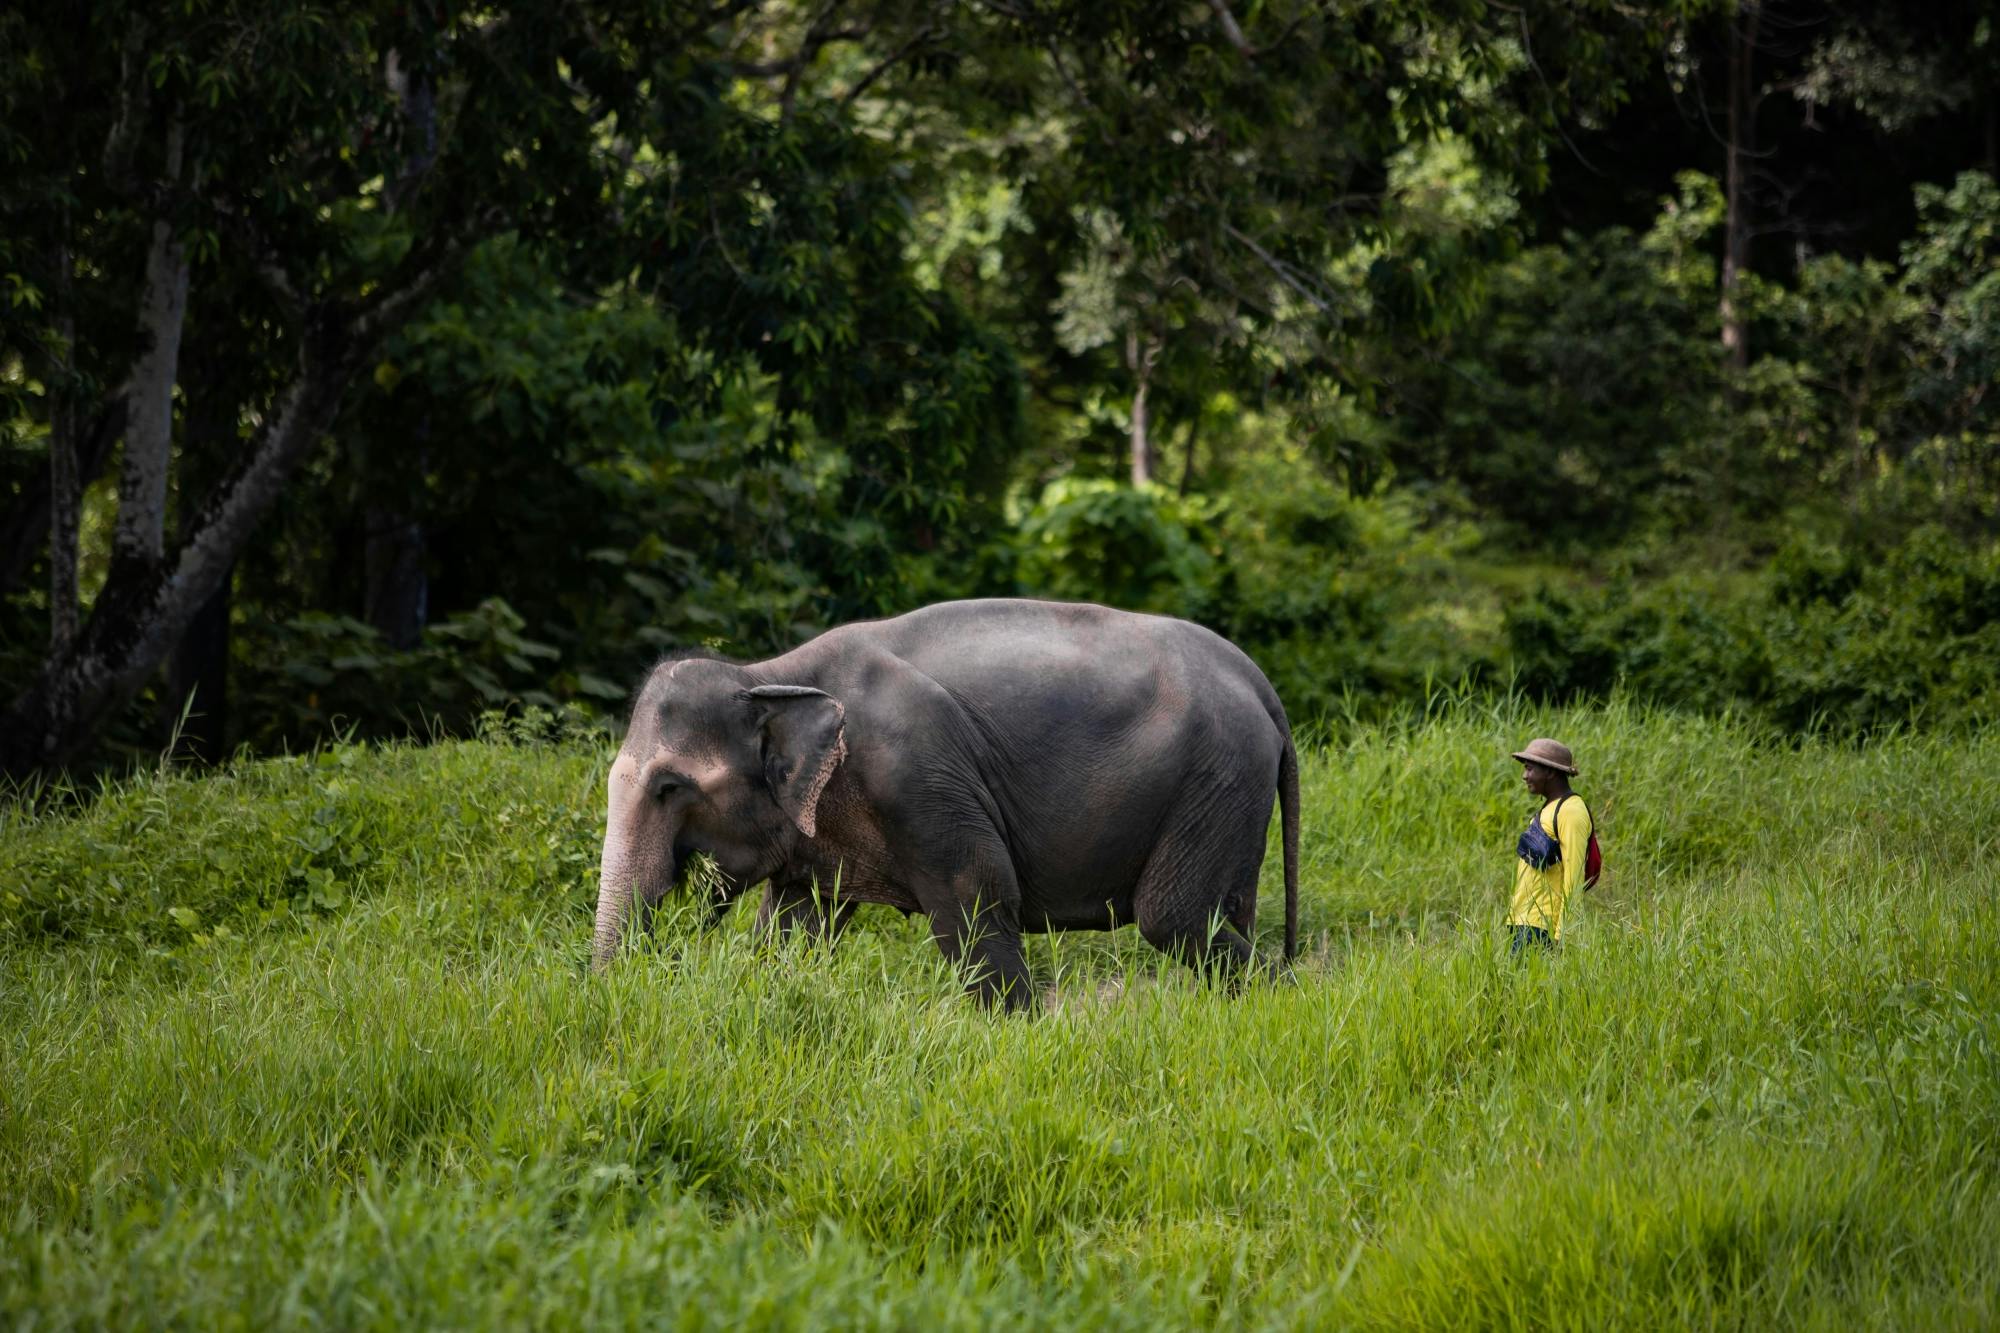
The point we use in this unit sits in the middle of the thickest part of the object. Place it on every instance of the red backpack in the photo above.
(1593, 859)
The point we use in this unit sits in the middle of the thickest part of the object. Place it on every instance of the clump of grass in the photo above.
(1760, 1084)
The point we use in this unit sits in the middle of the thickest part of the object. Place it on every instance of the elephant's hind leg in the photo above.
(1197, 897)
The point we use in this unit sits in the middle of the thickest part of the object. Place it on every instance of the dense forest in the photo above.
(368, 367)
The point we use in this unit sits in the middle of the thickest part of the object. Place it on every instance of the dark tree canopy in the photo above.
(374, 364)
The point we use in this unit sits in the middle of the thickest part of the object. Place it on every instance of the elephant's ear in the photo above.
(804, 735)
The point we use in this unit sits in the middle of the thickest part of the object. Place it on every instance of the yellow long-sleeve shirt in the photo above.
(1541, 895)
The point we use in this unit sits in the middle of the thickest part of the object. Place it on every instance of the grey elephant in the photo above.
(999, 766)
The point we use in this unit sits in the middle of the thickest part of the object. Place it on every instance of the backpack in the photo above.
(1593, 857)
(1541, 851)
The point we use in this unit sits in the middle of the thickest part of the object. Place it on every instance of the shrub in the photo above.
(1827, 638)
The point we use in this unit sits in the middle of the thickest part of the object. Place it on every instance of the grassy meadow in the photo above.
(312, 1042)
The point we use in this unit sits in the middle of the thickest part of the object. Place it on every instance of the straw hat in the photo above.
(1549, 754)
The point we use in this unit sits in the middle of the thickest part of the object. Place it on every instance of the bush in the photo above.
(317, 675)
(1337, 598)
(1827, 638)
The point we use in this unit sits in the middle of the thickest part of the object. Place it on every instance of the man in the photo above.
(1552, 851)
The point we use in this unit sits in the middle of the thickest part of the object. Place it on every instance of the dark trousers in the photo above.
(1529, 936)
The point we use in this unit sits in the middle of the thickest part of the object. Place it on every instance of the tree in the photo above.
(1203, 193)
(1739, 145)
(297, 181)
(301, 179)
(346, 159)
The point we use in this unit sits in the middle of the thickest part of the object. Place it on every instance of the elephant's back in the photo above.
(1059, 674)
(975, 639)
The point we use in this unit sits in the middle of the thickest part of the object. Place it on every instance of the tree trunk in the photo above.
(142, 611)
(1741, 145)
(140, 537)
(27, 524)
(65, 501)
(141, 614)
(1140, 357)
(1187, 462)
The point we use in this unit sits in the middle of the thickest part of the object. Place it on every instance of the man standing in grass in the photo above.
(1552, 850)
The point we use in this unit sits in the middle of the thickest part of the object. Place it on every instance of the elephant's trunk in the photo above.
(620, 867)
(614, 907)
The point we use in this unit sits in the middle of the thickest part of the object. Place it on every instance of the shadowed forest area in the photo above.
(364, 368)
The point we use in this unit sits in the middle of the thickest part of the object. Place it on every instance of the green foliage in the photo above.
(319, 675)
(1832, 639)
(1100, 540)
(765, 322)
(1341, 601)
(1535, 408)
(169, 865)
(1754, 1089)
(1585, 400)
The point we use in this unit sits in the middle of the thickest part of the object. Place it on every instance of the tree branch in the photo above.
(122, 142)
(417, 279)
(1231, 30)
(817, 36)
(767, 69)
(1282, 271)
(1234, 33)
(924, 37)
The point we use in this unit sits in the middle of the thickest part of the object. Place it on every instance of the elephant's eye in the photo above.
(665, 785)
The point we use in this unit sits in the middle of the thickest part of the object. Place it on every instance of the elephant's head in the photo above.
(718, 762)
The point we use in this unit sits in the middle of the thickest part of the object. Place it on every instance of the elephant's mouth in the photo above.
(695, 870)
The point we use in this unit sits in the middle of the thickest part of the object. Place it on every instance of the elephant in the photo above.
(997, 765)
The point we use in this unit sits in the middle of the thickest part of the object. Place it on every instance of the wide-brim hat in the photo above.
(1547, 753)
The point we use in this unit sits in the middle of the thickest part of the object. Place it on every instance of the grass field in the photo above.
(312, 1042)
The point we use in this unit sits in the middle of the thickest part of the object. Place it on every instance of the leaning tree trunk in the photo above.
(141, 613)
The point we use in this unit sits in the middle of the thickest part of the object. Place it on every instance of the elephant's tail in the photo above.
(1288, 813)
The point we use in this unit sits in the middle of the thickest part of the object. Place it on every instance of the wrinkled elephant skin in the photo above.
(998, 766)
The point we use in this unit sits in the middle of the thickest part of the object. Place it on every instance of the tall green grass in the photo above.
(313, 1041)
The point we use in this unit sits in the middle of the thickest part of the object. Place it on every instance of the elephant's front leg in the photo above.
(986, 946)
(795, 906)
(975, 916)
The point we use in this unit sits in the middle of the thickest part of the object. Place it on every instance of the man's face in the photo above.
(1535, 778)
